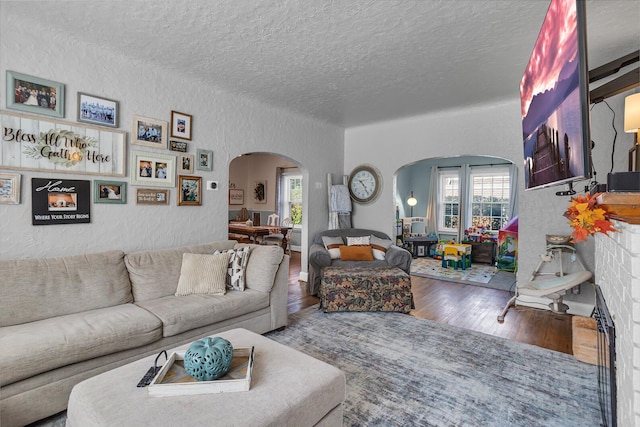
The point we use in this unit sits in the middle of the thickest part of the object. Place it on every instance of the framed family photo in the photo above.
(9, 188)
(181, 125)
(149, 132)
(185, 163)
(153, 169)
(109, 192)
(189, 190)
(204, 159)
(34, 95)
(98, 111)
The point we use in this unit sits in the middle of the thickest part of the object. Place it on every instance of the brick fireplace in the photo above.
(617, 271)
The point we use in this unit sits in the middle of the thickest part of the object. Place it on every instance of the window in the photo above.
(473, 196)
(448, 200)
(489, 194)
(292, 198)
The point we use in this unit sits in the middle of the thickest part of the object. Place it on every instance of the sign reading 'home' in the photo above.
(58, 201)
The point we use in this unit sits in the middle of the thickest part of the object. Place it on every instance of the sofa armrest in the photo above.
(278, 296)
(318, 258)
(399, 257)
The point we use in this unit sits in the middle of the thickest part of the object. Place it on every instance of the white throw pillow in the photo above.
(237, 268)
(203, 274)
(380, 247)
(362, 240)
(332, 244)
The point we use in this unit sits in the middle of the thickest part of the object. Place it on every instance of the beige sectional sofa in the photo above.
(65, 319)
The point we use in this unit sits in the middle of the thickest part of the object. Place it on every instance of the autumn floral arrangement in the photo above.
(587, 217)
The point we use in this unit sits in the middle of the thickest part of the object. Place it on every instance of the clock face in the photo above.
(364, 184)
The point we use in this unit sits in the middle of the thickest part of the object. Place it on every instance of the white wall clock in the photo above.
(364, 184)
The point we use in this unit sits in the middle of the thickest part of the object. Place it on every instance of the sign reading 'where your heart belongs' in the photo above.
(37, 143)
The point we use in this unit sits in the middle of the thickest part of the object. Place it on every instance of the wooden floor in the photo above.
(469, 307)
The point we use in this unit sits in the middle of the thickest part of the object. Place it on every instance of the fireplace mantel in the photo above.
(622, 206)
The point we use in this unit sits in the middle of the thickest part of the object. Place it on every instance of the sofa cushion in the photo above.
(263, 265)
(380, 247)
(36, 289)
(332, 244)
(155, 274)
(359, 240)
(180, 314)
(356, 253)
(36, 347)
(237, 268)
(203, 274)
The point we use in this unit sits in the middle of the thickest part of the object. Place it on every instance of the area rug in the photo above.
(478, 274)
(405, 371)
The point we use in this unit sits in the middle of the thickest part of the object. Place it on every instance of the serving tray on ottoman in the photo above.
(365, 289)
(173, 379)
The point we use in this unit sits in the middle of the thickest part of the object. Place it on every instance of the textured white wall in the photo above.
(488, 130)
(618, 274)
(225, 123)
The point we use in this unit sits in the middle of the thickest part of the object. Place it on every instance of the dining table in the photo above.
(255, 232)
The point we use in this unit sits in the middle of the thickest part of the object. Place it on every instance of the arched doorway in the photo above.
(261, 184)
(482, 191)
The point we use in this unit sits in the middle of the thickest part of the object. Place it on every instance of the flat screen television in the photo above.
(554, 96)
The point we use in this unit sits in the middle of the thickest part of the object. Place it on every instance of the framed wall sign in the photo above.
(236, 196)
(34, 95)
(190, 190)
(109, 192)
(180, 146)
(152, 196)
(153, 169)
(60, 201)
(205, 160)
(98, 111)
(181, 125)
(149, 132)
(33, 143)
(9, 188)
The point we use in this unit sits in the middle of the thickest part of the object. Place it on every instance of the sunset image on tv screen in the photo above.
(551, 101)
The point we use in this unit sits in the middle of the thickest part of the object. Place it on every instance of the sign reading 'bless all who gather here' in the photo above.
(35, 143)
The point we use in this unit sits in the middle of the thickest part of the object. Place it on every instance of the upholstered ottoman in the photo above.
(365, 289)
(288, 388)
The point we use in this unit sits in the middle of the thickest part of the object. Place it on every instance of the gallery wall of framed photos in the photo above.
(36, 138)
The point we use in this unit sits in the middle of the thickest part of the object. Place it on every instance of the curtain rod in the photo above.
(475, 166)
(491, 164)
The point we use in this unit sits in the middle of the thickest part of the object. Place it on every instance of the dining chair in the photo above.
(277, 238)
(273, 219)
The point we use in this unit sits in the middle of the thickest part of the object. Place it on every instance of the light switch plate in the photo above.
(212, 185)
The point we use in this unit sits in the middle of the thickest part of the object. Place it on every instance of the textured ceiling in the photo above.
(347, 62)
